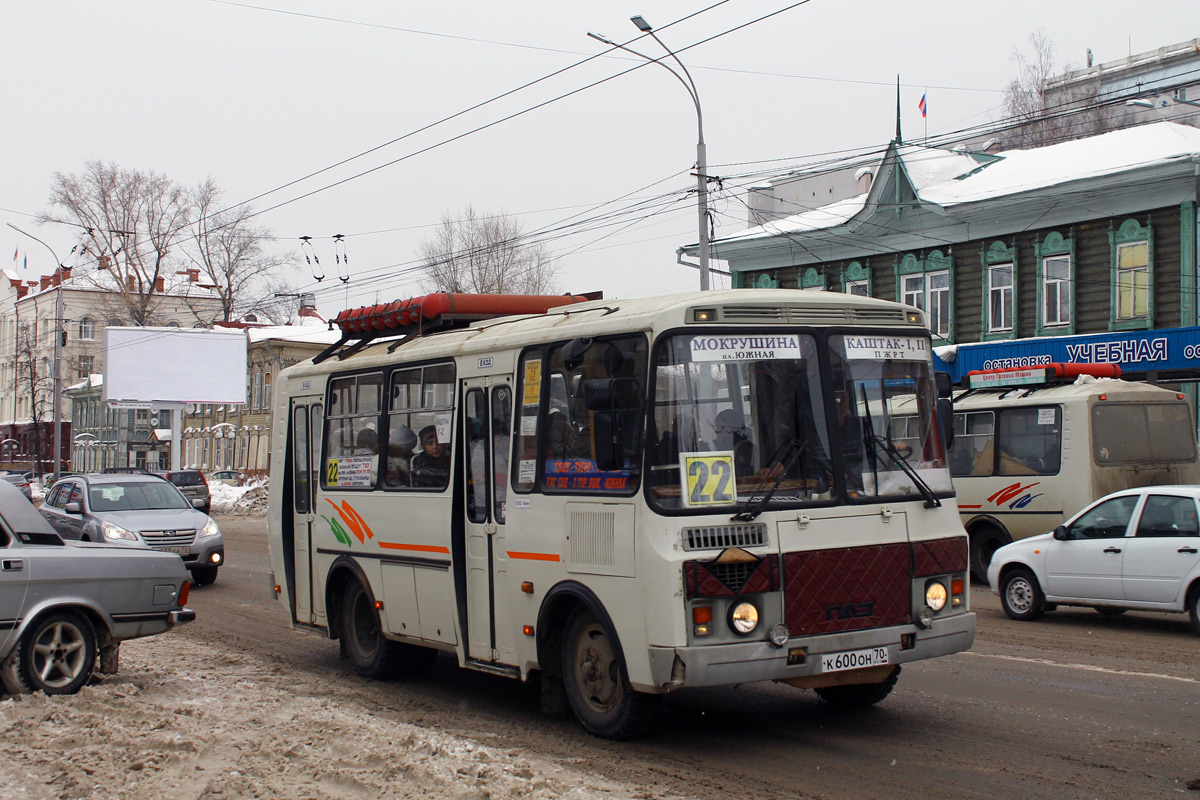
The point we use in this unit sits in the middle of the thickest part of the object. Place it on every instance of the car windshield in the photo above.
(135, 496)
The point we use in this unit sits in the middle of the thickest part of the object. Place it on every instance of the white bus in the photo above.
(1034, 445)
(624, 497)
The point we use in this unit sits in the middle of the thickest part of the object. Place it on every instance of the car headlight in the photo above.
(116, 533)
(210, 528)
(743, 617)
(935, 595)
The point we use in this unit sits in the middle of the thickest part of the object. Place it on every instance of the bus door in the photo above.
(304, 423)
(486, 425)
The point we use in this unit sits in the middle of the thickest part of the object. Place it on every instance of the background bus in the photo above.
(625, 497)
(1033, 446)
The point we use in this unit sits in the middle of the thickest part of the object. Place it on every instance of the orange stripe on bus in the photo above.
(423, 548)
(535, 556)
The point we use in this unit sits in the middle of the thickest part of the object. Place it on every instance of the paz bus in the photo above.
(623, 498)
(1034, 445)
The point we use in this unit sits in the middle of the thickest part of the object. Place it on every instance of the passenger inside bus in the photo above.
(401, 441)
(431, 466)
(729, 433)
(367, 443)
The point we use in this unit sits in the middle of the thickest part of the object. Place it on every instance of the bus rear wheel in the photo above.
(859, 695)
(371, 654)
(985, 541)
(596, 684)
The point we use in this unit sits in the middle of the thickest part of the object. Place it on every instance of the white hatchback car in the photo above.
(1134, 549)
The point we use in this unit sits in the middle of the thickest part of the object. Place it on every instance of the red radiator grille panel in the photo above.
(709, 579)
(853, 588)
(939, 556)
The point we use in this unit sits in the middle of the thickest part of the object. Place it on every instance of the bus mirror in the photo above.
(573, 352)
(1061, 534)
(610, 452)
(945, 413)
(944, 386)
(603, 394)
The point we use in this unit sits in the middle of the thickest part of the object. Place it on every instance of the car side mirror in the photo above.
(197, 502)
(73, 508)
(1061, 533)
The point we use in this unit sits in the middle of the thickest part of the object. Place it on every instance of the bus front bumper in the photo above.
(745, 662)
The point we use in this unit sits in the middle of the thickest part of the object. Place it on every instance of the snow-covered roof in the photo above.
(310, 334)
(948, 178)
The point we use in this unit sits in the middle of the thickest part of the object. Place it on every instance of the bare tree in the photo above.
(132, 223)
(486, 254)
(33, 380)
(1043, 111)
(230, 251)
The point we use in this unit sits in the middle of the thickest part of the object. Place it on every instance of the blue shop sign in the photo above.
(1134, 351)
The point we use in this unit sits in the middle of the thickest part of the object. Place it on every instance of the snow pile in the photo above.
(247, 501)
(186, 719)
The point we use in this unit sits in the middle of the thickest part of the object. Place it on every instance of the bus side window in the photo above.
(352, 434)
(1030, 441)
(974, 444)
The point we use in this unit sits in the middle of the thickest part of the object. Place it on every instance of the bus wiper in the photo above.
(750, 510)
(885, 444)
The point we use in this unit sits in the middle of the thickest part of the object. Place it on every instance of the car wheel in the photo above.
(56, 655)
(859, 695)
(1021, 596)
(1194, 608)
(1110, 612)
(596, 684)
(985, 541)
(372, 655)
(203, 576)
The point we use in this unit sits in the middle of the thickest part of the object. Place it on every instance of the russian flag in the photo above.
(921, 105)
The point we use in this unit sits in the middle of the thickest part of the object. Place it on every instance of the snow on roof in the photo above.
(294, 333)
(948, 179)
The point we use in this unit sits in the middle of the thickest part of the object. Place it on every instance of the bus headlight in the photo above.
(935, 595)
(743, 617)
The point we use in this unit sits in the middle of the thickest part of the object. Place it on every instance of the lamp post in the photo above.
(701, 152)
(58, 343)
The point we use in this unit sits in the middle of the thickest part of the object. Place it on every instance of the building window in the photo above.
(172, 324)
(266, 398)
(87, 328)
(86, 365)
(1056, 290)
(1000, 298)
(939, 303)
(913, 291)
(255, 391)
(856, 279)
(1133, 281)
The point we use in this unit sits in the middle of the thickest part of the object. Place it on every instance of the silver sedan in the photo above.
(66, 605)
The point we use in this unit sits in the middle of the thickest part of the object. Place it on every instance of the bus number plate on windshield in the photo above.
(854, 659)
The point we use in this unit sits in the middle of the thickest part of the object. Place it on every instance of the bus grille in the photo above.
(851, 588)
(718, 537)
(182, 538)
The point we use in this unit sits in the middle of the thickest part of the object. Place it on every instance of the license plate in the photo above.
(854, 659)
(183, 551)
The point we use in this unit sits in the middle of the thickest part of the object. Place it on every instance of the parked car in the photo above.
(124, 471)
(137, 509)
(193, 485)
(1134, 549)
(65, 604)
(19, 480)
(229, 477)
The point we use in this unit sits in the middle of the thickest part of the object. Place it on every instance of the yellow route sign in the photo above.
(708, 479)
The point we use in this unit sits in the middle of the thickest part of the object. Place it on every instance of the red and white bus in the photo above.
(626, 497)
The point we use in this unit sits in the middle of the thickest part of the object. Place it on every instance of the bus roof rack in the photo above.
(1039, 375)
(433, 313)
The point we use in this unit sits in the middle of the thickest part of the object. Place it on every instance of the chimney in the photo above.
(45, 281)
(308, 306)
(160, 284)
(864, 177)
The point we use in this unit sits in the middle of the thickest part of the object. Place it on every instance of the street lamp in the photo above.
(58, 344)
(701, 153)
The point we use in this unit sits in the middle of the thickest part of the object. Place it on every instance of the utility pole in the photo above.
(58, 344)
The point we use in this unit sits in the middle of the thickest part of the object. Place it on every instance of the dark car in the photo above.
(137, 509)
(193, 485)
(124, 471)
(65, 605)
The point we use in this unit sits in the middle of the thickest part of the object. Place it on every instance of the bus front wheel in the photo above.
(985, 541)
(371, 654)
(596, 684)
(859, 695)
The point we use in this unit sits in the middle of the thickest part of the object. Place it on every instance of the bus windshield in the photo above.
(747, 418)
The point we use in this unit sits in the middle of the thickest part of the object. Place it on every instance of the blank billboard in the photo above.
(174, 365)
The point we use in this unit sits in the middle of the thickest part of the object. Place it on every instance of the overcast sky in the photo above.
(259, 95)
